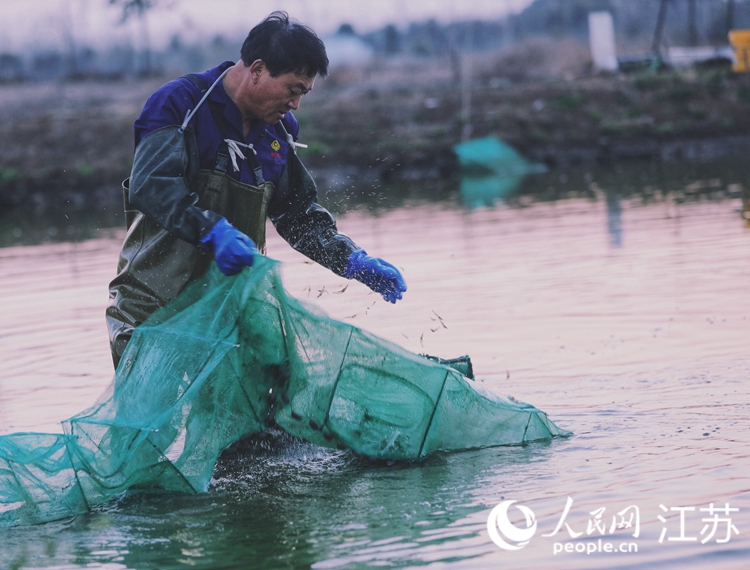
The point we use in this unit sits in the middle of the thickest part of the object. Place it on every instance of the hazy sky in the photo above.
(52, 23)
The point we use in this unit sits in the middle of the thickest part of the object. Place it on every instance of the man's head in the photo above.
(285, 47)
(280, 60)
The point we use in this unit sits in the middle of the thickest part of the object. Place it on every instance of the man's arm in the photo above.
(306, 225)
(165, 160)
(311, 229)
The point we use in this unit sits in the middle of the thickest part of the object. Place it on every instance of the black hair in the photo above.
(285, 46)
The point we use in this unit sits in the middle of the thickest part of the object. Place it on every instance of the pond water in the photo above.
(623, 316)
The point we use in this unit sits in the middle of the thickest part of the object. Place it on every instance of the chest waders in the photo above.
(156, 265)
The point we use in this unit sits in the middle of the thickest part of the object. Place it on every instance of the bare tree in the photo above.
(139, 8)
(730, 15)
(692, 24)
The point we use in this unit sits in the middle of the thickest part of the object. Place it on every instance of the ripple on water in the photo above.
(640, 350)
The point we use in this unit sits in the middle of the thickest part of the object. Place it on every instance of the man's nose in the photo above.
(293, 104)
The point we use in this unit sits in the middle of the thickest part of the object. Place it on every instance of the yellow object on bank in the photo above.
(740, 40)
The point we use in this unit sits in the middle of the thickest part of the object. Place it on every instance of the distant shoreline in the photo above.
(73, 143)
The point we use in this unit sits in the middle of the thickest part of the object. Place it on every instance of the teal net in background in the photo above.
(230, 357)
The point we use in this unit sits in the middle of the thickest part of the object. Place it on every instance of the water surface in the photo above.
(625, 320)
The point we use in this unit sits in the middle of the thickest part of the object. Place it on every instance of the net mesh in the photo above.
(231, 357)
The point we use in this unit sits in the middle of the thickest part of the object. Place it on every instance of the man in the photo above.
(215, 154)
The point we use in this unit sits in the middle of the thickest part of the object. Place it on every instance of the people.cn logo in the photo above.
(504, 533)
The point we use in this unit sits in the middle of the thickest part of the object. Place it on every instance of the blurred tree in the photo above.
(643, 23)
(11, 67)
(68, 30)
(392, 40)
(659, 31)
(175, 43)
(48, 65)
(219, 42)
(139, 8)
(692, 24)
(346, 30)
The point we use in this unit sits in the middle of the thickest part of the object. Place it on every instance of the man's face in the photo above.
(272, 97)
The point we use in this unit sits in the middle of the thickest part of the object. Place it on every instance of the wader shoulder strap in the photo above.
(222, 155)
(195, 79)
(255, 165)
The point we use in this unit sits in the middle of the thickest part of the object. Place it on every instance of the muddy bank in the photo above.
(69, 146)
(66, 145)
(406, 127)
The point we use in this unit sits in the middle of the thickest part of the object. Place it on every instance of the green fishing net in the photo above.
(231, 357)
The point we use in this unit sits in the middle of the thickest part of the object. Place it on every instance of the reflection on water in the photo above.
(294, 505)
(614, 217)
(58, 225)
(492, 170)
(673, 182)
(640, 350)
(478, 191)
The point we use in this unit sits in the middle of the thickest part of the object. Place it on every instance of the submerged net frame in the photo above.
(227, 358)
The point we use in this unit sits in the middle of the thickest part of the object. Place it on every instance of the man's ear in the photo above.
(256, 69)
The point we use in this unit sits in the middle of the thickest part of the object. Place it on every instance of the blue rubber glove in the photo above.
(378, 275)
(232, 249)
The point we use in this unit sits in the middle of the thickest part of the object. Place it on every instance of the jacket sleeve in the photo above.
(165, 159)
(305, 225)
